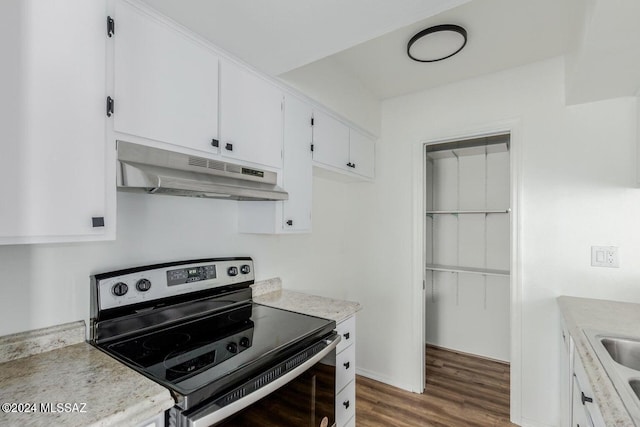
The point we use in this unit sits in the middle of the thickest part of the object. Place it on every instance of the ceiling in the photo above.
(366, 39)
(501, 34)
(276, 36)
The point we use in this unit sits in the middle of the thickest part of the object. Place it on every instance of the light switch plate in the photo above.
(605, 256)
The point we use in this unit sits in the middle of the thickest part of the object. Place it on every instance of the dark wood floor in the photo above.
(461, 390)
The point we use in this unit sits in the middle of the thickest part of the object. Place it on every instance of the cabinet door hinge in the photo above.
(311, 120)
(109, 106)
(111, 26)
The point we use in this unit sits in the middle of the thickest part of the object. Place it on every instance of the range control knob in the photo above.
(119, 289)
(232, 347)
(143, 285)
(232, 271)
(245, 269)
(244, 342)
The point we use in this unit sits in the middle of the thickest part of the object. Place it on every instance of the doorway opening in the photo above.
(467, 262)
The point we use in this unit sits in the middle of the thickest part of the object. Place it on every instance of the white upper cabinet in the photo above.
(250, 116)
(361, 154)
(53, 178)
(297, 172)
(165, 84)
(340, 147)
(330, 141)
(292, 215)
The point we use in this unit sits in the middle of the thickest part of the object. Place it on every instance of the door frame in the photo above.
(513, 128)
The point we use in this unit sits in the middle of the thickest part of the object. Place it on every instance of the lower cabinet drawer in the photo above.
(345, 367)
(346, 404)
(347, 330)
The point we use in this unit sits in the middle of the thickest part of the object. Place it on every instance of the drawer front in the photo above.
(346, 404)
(345, 367)
(347, 331)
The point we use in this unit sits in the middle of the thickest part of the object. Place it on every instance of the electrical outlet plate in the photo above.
(605, 256)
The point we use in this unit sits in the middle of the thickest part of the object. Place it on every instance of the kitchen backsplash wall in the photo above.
(45, 285)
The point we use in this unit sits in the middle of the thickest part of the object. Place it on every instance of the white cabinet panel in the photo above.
(361, 153)
(345, 367)
(297, 170)
(586, 406)
(347, 331)
(166, 84)
(566, 375)
(293, 215)
(52, 159)
(330, 141)
(346, 372)
(340, 148)
(346, 404)
(250, 116)
(580, 416)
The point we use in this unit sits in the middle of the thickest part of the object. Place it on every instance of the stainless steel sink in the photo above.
(620, 358)
(624, 351)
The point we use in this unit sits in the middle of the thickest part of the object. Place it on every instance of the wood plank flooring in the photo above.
(461, 390)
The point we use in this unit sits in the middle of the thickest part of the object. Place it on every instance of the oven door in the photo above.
(303, 396)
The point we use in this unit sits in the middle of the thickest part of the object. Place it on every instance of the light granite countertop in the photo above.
(270, 292)
(55, 366)
(582, 314)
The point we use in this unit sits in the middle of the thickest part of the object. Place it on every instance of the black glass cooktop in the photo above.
(220, 348)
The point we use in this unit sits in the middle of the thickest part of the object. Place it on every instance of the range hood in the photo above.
(156, 171)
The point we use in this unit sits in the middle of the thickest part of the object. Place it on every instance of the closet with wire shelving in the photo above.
(467, 245)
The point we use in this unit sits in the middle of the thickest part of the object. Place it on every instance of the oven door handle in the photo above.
(209, 416)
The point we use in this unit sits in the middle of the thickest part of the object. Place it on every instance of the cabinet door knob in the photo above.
(353, 165)
(585, 398)
(346, 404)
(290, 222)
(346, 365)
(228, 146)
(346, 336)
(215, 143)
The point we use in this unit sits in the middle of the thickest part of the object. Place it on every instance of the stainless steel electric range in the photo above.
(192, 327)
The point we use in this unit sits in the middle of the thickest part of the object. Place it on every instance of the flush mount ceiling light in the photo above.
(437, 43)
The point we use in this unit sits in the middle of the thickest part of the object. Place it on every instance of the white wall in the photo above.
(577, 175)
(331, 85)
(43, 285)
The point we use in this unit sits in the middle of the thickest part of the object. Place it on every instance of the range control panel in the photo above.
(140, 284)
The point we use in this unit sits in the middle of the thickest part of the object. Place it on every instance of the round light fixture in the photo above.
(437, 43)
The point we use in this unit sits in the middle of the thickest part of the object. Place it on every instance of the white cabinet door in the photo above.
(293, 215)
(361, 153)
(346, 404)
(297, 170)
(580, 415)
(330, 141)
(345, 367)
(166, 84)
(250, 116)
(52, 158)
